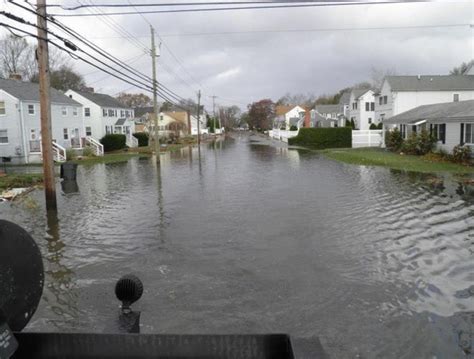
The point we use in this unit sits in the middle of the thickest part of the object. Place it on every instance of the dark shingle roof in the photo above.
(431, 83)
(140, 111)
(120, 122)
(345, 98)
(462, 110)
(328, 108)
(102, 100)
(29, 91)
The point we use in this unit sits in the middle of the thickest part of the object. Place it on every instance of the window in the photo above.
(87, 112)
(382, 116)
(380, 100)
(161, 117)
(118, 129)
(3, 136)
(439, 132)
(403, 130)
(104, 112)
(128, 114)
(65, 134)
(385, 100)
(64, 111)
(88, 131)
(122, 113)
(372, 106)
(107, 130)
(111, 113)
(469, 133)
(370, 120)
(31, 109)
(74, 111)
(354, 105)
(456, 97)
(367, 106)
(2, 108)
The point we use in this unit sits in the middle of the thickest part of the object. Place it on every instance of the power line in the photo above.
(320, 4)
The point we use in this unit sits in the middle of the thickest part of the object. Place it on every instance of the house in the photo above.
(362, 108)
(202, 125)
(287, 116)
(344, 101)
(333, 115)
(452, 123)
(402, 93)
(20, 124)
(104, 115)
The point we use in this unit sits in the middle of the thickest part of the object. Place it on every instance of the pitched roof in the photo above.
(120, 122)
(29, 91)
(345, 98)
(140, 111)
(431, 83)
(180, 116)
(283, 109)
(359, 92)
(102, 99)
(462, 110)
(328, 108)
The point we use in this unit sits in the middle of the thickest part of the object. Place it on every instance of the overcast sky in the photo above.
(247, 66)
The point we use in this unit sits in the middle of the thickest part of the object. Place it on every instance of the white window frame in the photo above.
(105, 112)
(3, 108)
(87, 112)
(111, 112)
(75, 112)
(88, 133)
(64, 111)
(6, 136)
(122, 113)
(34, 109)
(65, 134)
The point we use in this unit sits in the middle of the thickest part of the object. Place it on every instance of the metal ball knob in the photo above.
(128, 290)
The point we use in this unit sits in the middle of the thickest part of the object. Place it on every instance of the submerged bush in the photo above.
(113, 142)
(142, 138)
(461, 154)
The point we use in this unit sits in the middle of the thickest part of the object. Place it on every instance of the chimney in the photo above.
(307, 119)
(88, 89)
(16, 77)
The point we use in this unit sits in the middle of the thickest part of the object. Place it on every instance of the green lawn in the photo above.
(19, 180)
(381, 157)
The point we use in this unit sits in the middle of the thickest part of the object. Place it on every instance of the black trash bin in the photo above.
(68, 171)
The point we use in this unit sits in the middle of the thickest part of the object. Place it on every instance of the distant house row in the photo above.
(78, 118)
(443, 104)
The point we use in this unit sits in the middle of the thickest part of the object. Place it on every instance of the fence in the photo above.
(282, 135)
(370, 138)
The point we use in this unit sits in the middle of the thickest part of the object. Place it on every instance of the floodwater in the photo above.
(253, 237)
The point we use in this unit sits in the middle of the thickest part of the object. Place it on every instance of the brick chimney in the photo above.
(16, 77)
(307, 118)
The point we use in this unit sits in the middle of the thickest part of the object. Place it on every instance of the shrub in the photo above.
(142, 138)
(393, 140)
(320, 138)
(410, 145)
(353, 125)
(380, 126)
(70, 154)
(373, 126)
(113, 142)
(348, 124)
(426, 142)
(88, 152)
(461, 154)
(293, 128)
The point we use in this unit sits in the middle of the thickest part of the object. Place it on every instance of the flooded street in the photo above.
(253, 237)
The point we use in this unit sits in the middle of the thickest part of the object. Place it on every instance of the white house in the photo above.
(333, 115)
(402, 93)
(104, 115)
(20, 124)
(202, 125)
(362, 108)
(452, 123)
(287, 116)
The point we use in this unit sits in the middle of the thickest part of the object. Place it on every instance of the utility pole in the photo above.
(45, 107)
(198, 110)
(214, 109)
(155, 99)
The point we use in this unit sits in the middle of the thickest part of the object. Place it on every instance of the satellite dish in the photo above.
(21, 275)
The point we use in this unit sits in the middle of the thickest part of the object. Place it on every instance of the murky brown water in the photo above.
(259, 238)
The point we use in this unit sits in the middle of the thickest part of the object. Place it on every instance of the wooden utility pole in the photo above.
(198, 110)
(155, 99)
(45, 107)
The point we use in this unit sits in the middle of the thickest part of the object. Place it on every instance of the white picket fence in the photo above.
(282, 135)
(369, 138)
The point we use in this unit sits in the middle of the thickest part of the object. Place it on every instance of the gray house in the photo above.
(20, 134)
(452, 123)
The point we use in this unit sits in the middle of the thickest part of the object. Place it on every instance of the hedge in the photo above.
(321, 138)
(142, 138)
(113, 142)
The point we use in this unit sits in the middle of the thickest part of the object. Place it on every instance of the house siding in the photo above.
(11, 122)
(361, 116)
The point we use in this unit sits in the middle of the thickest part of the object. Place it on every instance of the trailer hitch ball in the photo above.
(128, 290)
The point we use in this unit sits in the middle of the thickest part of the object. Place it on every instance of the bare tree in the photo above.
(229, 116)
(459, 70)
(377, 76)
(15, 53)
